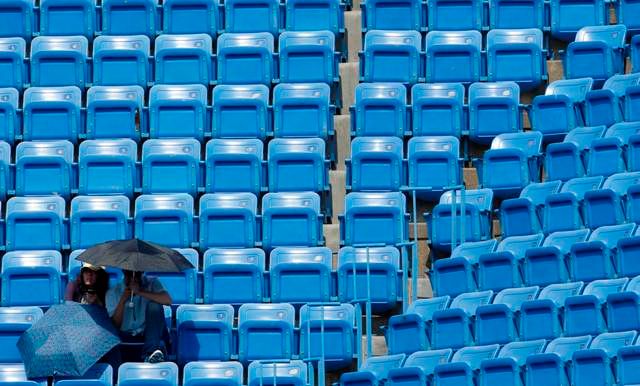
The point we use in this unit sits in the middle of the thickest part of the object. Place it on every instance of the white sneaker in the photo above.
(155, 357)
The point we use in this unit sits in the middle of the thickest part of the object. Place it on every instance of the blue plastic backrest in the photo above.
(100, 203)
(177, 201)
(297, 145)
(610, 234)
(306, 39)
(192, 41)
(381, 365)
(17, 45)
(252, 256)
(613, 35)
(623, 130)
(33, 259)
(509, 90)
(563, 240)
(273, 370)
(381, 200)
(68, 94)
(344, 312)
(564, 347)
(579, 186)
(529, 142)
(633, 285)
(471, 300)
(518, 245)
(10, 96)
(426, 307)
(582, 136)
(291, 200)
(229, 200)
(514, 297)
(19, 315)
(560, 291)
(15, 374)
(165, 373)
(109, 147)
(436, 143)
(411, 39)
(515, 36)
(171, 148)
(50, 44)
(314, 255)
(223, 313)
(228, 372)
(602, 288)
(53, 204)
(538, 192)
(245, 40)
(619, 83)
(381, 255)
(428, 360)
(454, 91)
(447, 38)
(140, 43)
(392, 145)
(610, 342)
(281, 311)
(475, 249)
(473, 356)
(482, 198)
(575, 89)
(162, 94)
(116, 93)
(251, 146)
(380, 91)
(519, 351)
(98, 374)
(260, 92)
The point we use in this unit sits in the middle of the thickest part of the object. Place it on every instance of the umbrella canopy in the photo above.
(136, 255)
(67, 340)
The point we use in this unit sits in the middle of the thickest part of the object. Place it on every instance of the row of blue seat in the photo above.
(303, 57)
(22, 18)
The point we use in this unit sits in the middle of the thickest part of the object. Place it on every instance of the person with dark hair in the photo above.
(89, 287)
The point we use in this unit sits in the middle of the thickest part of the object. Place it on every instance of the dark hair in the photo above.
(99, 288)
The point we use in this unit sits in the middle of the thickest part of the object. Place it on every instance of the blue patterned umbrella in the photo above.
(67, 340)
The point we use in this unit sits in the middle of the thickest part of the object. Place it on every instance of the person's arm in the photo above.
(161, 297)
(70, 291)
(118, 313)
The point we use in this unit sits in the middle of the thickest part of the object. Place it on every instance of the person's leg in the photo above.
(154, 329)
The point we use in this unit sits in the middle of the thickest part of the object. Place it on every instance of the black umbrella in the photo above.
(135, 255)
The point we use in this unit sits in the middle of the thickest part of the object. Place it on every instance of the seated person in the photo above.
(89, 287)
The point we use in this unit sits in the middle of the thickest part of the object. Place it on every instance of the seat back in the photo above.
(115, 112)
(14, 321)
(241, 111)
(438, 109)
(228, 220)
(613, 35)
(300, 274)
(225, 373)
(561, 291)
(178, 111)
(565, 239)
(52, 113)
(296, 165)
(252, 16)
(171, 166)
(470, 301)
(95, 220)
(301, 110)
(138, 17)
(165, 218)
(565, 347)
(375, 218)
(380, 110)
(266, 331)
(233, 275)
(392, 56)
(13, 53)
(473, 356)
(376, 163)
(121, 60)
(161, 374)
(291, 219)
(234, 165)
(183, 59)
(453, 56)
(496, 103)
(35, 223)
(59, 61)
(31, 278)
(307, 57)
(245, 58)
(200, 324)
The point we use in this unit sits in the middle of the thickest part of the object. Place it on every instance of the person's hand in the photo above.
(91, 298)
(134, 287)
(126, 294)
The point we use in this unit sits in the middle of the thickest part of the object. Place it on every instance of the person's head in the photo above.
(89, 274)
(130, 276)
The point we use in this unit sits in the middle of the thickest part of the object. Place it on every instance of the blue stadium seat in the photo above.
(607, 105)
(74, 266)
(597, 52)
(115, 112)
(44, 167)
(98, 219)
(380, 110)
(374, 370)
(584, 314)
(14, 321)
(265, 331)
(502, 268)
(300, 275)
(464, 365)
(9, 122)
(606, 206)
(559, 110)
(493, 110)
(376, 164)
(12, 55)
(418, 368)
(291, 219)
(121, 61)
(59, 61)
(625, 11)
(562, 210)
(547, 264)
(378, 218)
(523, 216)
(392, 15)
(204, 333)
(307, 57)
(516, 55)
(233, 275)
(453, 56)
(6, 176)
(171, 166)
(327, 15)
(118, 17)
(297, 164)
(631, 101)
(627, 258)
(178, 111)
(506, 367)
(504, 14)
(499, 322)
(551, 366)
(569, 16)
(73, 17)
(241, 111)
(98, 374)
(632, 201)
(107, 167)
(451, 328)
(17, 18)
(594, 365)
(434, 164)
(234, 165)
(190, 17)
(335, 324)
(245, 58)
(35, 223)
(252, 16)
(566, 160)
(409, 332)
(369, 271)
(183, 59)
(31, 278)
(222, 373)
(138, 374)
(391, 56)
(52, 113)
(228, 220)
(541, 318)
(635, 53)
(182, 285)
(166, 219)
(623, 309)
(627, 365)
(302, 110)
(438, 109)
(272, 373)
(448, 15)
(477, 213)
(512, 163)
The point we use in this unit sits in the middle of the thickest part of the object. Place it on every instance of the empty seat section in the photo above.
(493, 110)
(190, 17)
(506, 367)
(376, 164)
(623, 309)
(228, 220)
(241, 111)
(392, 15)
(127, 17)
(252, 16)
(464, 365)
(233, 275)
(14, 321)
(164, 374)
(584, 314)
(234, 165)
(245, 58)
(453, 56)
(606, 206)
(107, 167)
(453, 15)
(594, 365)
(542, 318)
(59, 61)
(121, 61)
(12, 59)
(294, 373)
(223, 373)
(291, 219)
(17, 18)
(434, 165)
(607, 154)
(569, 16)
(52, 113)
(562, 211)
(566, 160)
(204, 332)
(380, 110)
(171, 166)
(335, 325)
(98, 219)
(115, 112)
(35, 223)
(307, 57)
(302, 110)
(178, 111)
(31, 278)
(326, 15)
(297, 165)
(9, 121)
(438, 109)
(301, 275)
(374, 218)
(627, 364)
(166, 219)
(183, 59)
(392, 56)
(523, 215)
(516, 55)
(419, 366)
(517, 14)
(452, 328)
(607, 105)
(45, 167)
(374, 370)
(265, 331)
(626, 257)
(551, 366)
(182, 285)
